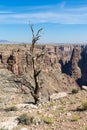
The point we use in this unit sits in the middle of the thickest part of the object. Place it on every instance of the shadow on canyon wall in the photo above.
(76, 67)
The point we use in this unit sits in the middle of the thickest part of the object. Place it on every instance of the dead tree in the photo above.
(22, 80)
(34, 57)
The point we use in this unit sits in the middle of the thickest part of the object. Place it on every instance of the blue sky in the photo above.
(63, 21)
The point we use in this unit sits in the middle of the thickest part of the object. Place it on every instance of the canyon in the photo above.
(63, 69)
(70, 60)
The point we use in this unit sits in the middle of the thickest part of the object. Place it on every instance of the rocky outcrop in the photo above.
(69, 59)
(9, 124)
(19, 61)
(56, 96)
(74, 69)
(16, 62)
(83, 67)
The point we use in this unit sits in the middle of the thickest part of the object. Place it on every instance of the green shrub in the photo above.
(37, 120)
(74, 91)
(48, 120)
(85, 128)
(3, 129)
(24, 119)
(52, 103)
(11, 109)
(84, 104)
(43, 106)
(75, 118)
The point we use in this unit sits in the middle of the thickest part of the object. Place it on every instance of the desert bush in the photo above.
(48, 120)
(11, 109)
(37, 120)
(85, 128)
(3, 129)
(24, 119)
(43, 106)
(1, 101)
(61, 108)
(74, 91)
(52, 103)
(84, 104)
(75, 118)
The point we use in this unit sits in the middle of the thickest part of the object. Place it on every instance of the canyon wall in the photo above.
(68, 59)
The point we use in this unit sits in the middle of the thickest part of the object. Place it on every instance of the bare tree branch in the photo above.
(35, 38)
(36, 72)
(39, 31)
(31, 26)
(24, 82)
(38, 56)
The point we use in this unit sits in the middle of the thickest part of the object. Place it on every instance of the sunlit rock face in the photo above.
(18, 60)
(68, 59)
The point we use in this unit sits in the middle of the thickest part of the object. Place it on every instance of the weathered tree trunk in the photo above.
(35, 94)
(37, 88)
(36, 72)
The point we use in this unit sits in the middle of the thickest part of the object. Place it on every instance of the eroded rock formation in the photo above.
(69, 59)
(74, 69)
(19, 61)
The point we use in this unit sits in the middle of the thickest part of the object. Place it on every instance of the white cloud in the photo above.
(5, 12)
(46, 14)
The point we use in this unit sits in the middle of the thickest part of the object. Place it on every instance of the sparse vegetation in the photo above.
(84, 104)
(73, 102)
(43, 106)
(64, 113)
(52, 103)
(1, 101)
(48, 120)
(24, 119)
(74, 91)
(13, 108)
(3, 129)
(37, 120)
(62, 101)
(62, 108)
(75, 118)
(85, 128)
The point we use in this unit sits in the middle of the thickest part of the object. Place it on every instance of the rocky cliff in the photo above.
(75, 70)
(76, 66)
(16, 59)
(68, 59)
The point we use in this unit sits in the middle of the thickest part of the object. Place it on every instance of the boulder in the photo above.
(84, 87)
(59, 95)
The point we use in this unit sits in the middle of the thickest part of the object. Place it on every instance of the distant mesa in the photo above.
(4, 41)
